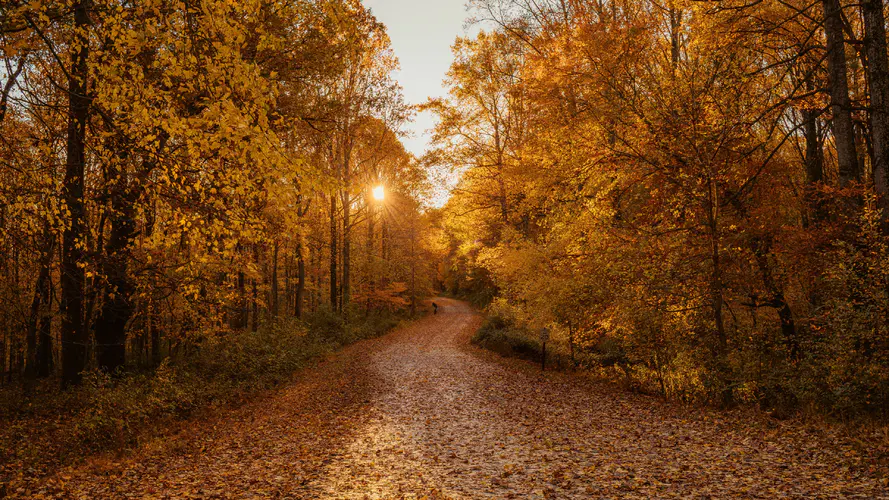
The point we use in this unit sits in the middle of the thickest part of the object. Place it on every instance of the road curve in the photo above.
(420, 413)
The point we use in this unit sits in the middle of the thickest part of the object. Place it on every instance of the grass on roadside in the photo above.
(42, 426)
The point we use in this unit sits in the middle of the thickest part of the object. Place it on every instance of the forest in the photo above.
(195, 198)
(200, 199)
(175, 171)
(692, 194)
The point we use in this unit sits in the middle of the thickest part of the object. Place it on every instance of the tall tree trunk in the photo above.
(384, 249)
(117, 305)
(370, 252)
(347, 224)
(717, 300)
(316, 257)
(5, 336)
(155, 335)
(299, 302)
(814, 154)
(152, 313)
(571, 345)
(5, 349)
(840, 104)
(300, 276)
(878, 72)
(254, 323)
(74, 334)
(239, 318)
(502, 198)
(289, 305)
(37, 319)
(814, 160)
(274, 284)
(44, 330)
(675, 38)
(5, 328)
(413, 236)
(347, 250)
(334, 255)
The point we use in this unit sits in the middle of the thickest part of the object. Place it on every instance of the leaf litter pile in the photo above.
(420, 413)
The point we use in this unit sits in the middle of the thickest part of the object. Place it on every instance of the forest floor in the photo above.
(421, 413)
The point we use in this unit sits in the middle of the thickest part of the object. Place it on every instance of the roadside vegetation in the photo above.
(43, 427)
(690, 195)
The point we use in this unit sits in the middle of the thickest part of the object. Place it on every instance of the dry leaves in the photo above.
(420, 414)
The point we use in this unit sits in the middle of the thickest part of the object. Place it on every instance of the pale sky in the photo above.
(422, 32)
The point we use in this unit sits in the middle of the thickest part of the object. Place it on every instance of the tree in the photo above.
(74, 332)
(199, 147)
(676, 186)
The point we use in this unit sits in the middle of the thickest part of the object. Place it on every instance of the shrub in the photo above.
(116, 412)
(501, 336)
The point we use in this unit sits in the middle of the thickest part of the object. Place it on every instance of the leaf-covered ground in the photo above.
(421, 413)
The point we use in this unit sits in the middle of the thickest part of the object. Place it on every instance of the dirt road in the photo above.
(420, 413)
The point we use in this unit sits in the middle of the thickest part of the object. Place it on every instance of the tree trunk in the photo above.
(274, 287)
(814, 164)
(384, 239)
(571, 345)
(840, 104)
(5, 336)
(239, 320)
(347, 250)
(155, 336)
(254, 323)
(44, 329)
(334, 256)
(878, 72)
(675, 38)
(370, 253)
(300, 276)
(74, 334)
(289, 305)
(761, 249)
(502, 198)
(152, 315)
(315, 258)
(5, 350)
(717, 300)
(347, 226)
(117, 306)
(413, 269)
(814, 160)
(38, 314)
(7, 87)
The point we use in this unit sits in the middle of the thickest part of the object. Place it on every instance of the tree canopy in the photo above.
(692, 192)
(170, 171)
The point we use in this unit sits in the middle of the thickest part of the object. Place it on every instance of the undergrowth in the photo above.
(508, 340)
(42, 426)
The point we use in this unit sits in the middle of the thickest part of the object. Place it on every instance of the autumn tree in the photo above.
(683, 173)
(167, 164)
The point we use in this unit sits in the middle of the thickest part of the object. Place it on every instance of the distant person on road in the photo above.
(434, 308)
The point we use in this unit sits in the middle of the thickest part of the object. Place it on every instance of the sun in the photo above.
(379, 193)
